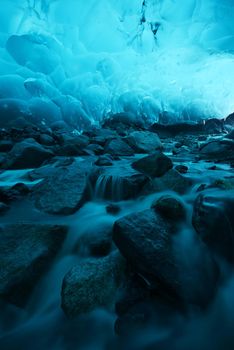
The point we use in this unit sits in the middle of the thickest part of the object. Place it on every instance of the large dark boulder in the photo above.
(214, 222)
(144, 141)
(26, 251)
(27, 154)
(222, 150)
(170, 207)
(152, 247)
(117, 182)
(154, 165)
(91, 284)
(64, 192)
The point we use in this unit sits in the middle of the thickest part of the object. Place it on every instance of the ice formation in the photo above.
(82, 60)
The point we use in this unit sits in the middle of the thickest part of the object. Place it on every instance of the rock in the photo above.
(213, 220)
(170, 207)
(113, 209)
(182, 169)
(96, 242)
(64, 192)
(92, 284)
(46, 140)
(118, 182)
(101, 136)
(171, 181)
(27, 154)
(118, 147)
(26, 251)
(94, 149)
(14, 193)
(171, 130)
(125, 120)
(6, 145)
(144, 141)
(3, 208)
(151, 246)
(72, 146)
(154, 165)
(103, 161)
(230, 135)
(218, 151)
(214, 126)
(230, 120)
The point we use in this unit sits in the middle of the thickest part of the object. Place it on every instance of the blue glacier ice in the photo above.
(95, 57)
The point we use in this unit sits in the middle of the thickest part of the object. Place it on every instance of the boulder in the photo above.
(26, 252)
(151, 245)
(6, 145)
(214, 222)
(170, 207)
(64, 191)
(91, 284)
(118, 147)
(182, 169)
(144, 141)
(27, 154)
(218, 150)
(96, 242)
(117, 182)
(171, 181)
(154, 165)
(104, 161)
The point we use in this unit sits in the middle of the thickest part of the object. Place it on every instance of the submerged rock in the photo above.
(27, 154)
(64, 192)
(92, 284)
(148, 242)
(154, 165)
(26, 251)
(214, 222)
(144, 141)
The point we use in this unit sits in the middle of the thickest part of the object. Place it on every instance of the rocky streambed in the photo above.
(119, 238)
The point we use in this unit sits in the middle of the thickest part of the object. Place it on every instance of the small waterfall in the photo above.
(109, 187)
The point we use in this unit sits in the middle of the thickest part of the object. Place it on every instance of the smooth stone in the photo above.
(144, 141)
(154, 165)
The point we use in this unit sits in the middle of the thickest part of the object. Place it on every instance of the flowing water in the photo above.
(42, 324)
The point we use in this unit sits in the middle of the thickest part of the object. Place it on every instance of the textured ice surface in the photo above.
(85, 59)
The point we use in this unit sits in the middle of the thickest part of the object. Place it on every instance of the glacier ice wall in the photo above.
(82, 59)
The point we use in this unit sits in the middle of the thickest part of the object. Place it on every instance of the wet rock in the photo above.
(6, 145)
(113, 209)
(27, 154)
(214, 126)
(170, 207)
(171, 130)
(64, 192)
(26, 251)
(149, 244)
(3, 208)
(230, 120)
(95, 149)
(118, 182)
(230, 135)
(124, 120)
(118, 147)
(218, 151)
(101, 136)
(104, 161)
(14, 193)
(144, 141)
(171, 181)
(213, 220)
(91, 284)
(182, 169)
(46, 140)
(96, 242)
(154, 165)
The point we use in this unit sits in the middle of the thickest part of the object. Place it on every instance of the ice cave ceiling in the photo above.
(82, 59)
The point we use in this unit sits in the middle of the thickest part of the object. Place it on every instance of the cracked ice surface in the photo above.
(80, 60)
